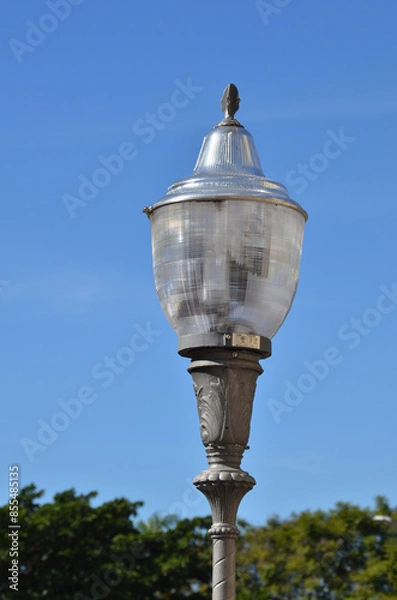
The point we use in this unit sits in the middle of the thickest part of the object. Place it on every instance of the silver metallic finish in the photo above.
(228, 168)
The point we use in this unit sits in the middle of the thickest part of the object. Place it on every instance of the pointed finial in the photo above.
(230, 101)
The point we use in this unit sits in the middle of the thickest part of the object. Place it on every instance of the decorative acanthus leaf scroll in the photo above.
(224, 407)
(210, 409)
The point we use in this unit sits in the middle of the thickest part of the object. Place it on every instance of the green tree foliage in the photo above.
(71, 550)
(340, 554)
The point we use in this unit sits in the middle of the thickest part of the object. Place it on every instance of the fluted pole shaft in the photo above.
(224, 383)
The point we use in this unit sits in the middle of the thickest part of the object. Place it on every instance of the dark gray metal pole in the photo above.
(224, 384)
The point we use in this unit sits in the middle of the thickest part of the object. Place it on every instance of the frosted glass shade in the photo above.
(229, 266)
(226, 243)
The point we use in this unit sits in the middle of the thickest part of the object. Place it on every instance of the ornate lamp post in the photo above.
(226, 248)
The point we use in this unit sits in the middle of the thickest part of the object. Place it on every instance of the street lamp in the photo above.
(226, 246)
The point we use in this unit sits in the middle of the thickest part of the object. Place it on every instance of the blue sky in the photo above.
(319, 94)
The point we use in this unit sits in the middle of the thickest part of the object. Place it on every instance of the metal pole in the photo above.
(224, 382)
(223, 568)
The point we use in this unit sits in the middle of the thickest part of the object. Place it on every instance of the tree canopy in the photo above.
(71, 550)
